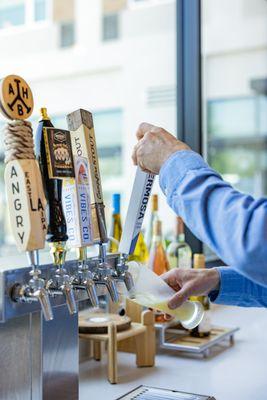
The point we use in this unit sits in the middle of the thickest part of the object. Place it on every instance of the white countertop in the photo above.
(238, 373)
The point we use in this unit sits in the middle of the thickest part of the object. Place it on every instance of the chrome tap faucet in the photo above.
(35, 289)
(105, 274)
(84, 278)
(60, 283)
(123, 273)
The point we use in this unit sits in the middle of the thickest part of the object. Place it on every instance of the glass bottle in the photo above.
(158, 261)
(179, 252)
(204, 328)
(140, 253)
(153, 217)
(116, 230)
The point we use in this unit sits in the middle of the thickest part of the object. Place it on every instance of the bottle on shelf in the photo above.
(179, 252)
(116, 229)
(204, 328)
(153, 217)
(140, 253)
(158, 261)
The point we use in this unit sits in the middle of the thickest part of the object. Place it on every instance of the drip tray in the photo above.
(152, 393)
(173, 337)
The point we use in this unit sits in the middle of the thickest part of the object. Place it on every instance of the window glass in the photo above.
(12, 13)
(67, 38)
(40, 10)
(110, 27)
(234, 72)
(234, 68)
(123, 82)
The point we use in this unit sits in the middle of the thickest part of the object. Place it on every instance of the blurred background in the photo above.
(118, 59)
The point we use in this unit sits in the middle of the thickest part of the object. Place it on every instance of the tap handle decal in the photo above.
(53, 150)
(141, 191)
(80, 124)
(25, 195)
(77, 205)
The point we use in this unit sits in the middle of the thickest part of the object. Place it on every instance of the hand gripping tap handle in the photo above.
(26, 199)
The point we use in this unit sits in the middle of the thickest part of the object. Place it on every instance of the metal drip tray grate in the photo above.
(173, 337)
(151, 393)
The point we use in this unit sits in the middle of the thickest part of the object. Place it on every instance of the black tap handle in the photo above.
(57, 227)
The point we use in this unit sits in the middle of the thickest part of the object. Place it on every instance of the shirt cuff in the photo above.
(230, 287)
(177, 165)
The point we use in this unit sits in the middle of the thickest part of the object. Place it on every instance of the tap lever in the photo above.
(91, 292)
(123, 273)
(42, 295)
(102, 253)
(112, 288)
(29, 293)
(70, 298)
(128, 280)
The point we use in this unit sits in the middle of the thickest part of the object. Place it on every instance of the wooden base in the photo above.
(99, 322)
(138, 339)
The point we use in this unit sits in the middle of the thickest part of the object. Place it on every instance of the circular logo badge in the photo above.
(16, 100)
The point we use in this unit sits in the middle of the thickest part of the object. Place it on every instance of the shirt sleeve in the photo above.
(232, 224)
(237, 290)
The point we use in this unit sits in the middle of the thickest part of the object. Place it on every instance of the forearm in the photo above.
(232, 224)
(237, 290)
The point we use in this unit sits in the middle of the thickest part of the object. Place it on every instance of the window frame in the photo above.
(104, 37)
(30, 21)
(189, 105)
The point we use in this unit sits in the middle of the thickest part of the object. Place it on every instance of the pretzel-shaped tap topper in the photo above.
(23, 181)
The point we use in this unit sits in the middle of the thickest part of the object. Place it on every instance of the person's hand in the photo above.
(154, 147)
(190, 282)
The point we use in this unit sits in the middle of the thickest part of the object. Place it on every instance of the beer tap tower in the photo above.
(77, 208)
(25, 195)
(53, 150)
(40, 352)
(80, 124)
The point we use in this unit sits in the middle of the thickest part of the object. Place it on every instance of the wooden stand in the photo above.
(138, 339)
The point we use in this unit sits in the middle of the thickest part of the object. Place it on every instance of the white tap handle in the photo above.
(141, 191)
(77, 205)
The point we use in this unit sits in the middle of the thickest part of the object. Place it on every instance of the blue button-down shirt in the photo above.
(232, 224)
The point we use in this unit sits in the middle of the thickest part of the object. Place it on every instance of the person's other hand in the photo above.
(154, 147)
(190, 282)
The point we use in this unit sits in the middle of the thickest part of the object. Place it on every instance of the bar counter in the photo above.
(238, 373)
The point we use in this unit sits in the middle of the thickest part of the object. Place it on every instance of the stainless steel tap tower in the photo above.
(39, 359)
(39, 302)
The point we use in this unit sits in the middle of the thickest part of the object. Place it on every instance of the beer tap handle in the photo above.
(81, 126)
(133, 223)
(136, 211)
(70, 298)
(27, 202)
(47, 139)
(42, 295)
